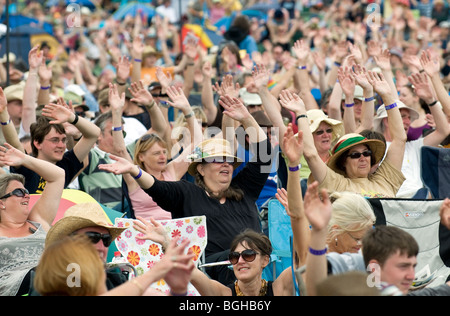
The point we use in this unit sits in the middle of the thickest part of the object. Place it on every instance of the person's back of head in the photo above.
(353, 283)
(384, 241)
(70, 267)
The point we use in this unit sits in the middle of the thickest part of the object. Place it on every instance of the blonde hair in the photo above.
(145, 143)
(351, 213)
(58, 268)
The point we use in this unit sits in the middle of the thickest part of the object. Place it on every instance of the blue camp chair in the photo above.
(435, 171)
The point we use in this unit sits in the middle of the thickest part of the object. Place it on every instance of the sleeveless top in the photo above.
(269, 289)
(18, 255)
(143, 204)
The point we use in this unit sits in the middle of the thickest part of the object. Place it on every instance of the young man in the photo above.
(49, 142)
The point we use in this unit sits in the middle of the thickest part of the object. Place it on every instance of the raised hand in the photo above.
(293, 146)
(292, 101)
(429, 64)
(234, 108)
(360, 74)
(379, 83)
(347, 81)
(123, 69)
(317, 210)
(152, 230)
(261, 76)
(178, 98)
(301, 50)
(58, 112)
(121, 165)
(140, 94)
(11, 156)
(383, 60)
(422, 87)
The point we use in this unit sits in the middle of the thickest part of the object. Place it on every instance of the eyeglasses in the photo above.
(56, 140)
(357, 155)
(95, 237)
(328, 131)
(248, 255)
(16, 192)
(357, 240)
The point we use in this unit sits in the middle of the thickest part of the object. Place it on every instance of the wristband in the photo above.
(45, 88)
(431, 104)
(300, 116)
(176, 294)
(301, 67)
(296, 168)
(318, 252)
(121, 83)
(190, 114)
(369, 99)
(6, 123)
(139, 174)
(389, 107)
(138, 60)
(117, 129)
(75, 121)
(337, 64)
(349, 105)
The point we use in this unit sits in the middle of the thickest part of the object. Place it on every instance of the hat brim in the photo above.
(67, 225)
(377, 147)
(192, 170)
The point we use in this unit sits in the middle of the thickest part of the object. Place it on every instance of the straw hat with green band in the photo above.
(348, 141)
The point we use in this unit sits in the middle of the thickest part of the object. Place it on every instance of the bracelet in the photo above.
(388, 107)
(77, 139)
(117, 129)
(431, 104)
(121, 83)
(6, 123)
(337, 64)
(138, 60)
(300, 116)
(349, 105)
(296, 168)
(137, 285)
(176, 294)
(190, 114)
(301, 67)
(139, 174)
(369, 99)
(151, 105)
(45, 88)
(318, 252)
(75, 121)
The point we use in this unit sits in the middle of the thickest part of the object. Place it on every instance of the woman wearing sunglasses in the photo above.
(249, 254)
(349, 167)
(23, 229)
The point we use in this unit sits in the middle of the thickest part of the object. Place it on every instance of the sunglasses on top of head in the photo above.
(16, 192)
(357, 155)
(248, 255)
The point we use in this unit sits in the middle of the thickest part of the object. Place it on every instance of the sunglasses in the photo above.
(95, 237)
(17, 192)
(328, 131)
(357, 155)
(248, 255)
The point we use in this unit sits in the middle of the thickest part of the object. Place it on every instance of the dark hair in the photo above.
(40, 129)
(340, 163)
(383, 241)
(254, 240)
(370, 134)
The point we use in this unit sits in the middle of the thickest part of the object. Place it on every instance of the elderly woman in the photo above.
(23, 230)
(348, 169)
(227, 202)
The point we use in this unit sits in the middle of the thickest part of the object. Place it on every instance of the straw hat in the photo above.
(381, 114)
(80, 216)
(315, 117)
(149, 50)
(348, 141)
(210, 149)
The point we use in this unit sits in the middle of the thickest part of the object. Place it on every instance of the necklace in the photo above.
(262, 291)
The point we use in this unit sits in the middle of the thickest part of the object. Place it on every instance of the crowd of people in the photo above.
(320, 104)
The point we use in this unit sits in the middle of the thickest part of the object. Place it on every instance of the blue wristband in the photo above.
(301, 67)
(296, 168)
(139, 174)
(369, 99)
(349, 105)
(318, 252)
(117, 129)
(388, 107)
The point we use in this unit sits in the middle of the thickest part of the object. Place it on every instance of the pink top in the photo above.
(144, 205)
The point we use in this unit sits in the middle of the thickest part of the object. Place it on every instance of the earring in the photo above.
(335, 239)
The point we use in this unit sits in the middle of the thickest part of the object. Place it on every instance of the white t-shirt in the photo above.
(411, 169)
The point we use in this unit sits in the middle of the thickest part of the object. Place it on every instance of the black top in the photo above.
(269, 289)
(223, 221)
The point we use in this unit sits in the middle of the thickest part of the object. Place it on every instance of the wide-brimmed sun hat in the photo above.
(210, 149)
(350, 140)
(316, 116)
(381, 114)
(80, 216)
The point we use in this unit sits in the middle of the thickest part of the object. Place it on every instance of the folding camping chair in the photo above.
(435, 171)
